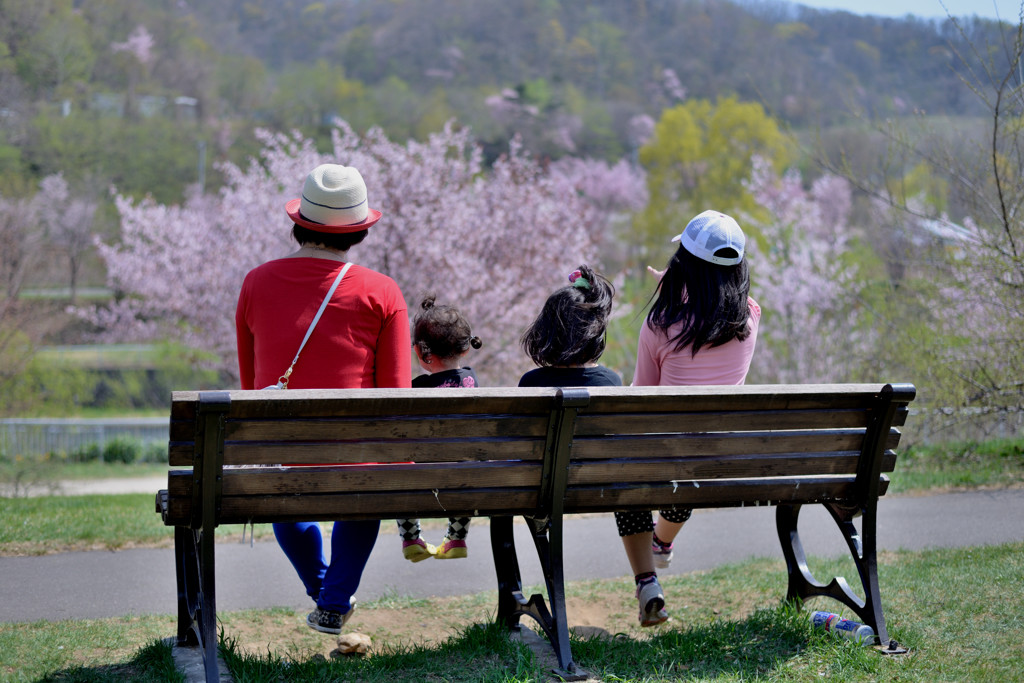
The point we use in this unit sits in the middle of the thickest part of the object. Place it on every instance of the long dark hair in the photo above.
(571, 327)
(708, 299)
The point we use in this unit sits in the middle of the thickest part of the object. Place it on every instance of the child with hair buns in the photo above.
(441, 340)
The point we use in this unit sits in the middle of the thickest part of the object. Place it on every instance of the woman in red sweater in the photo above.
(361, 340)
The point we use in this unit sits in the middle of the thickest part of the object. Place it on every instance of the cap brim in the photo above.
(292, 208)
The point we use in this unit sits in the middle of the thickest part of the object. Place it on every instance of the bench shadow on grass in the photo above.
(153, 662)
(752, 647)
(746, 648)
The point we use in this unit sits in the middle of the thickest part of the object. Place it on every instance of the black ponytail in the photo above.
(572, 325)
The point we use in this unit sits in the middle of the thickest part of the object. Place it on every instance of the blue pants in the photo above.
(332, 585)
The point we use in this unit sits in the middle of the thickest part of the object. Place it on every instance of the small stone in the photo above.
(351, 644)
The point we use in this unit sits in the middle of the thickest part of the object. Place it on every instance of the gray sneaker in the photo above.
(652, 603)
(327, 621)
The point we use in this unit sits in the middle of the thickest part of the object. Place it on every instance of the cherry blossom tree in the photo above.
(493, 241)
(69, 224)
(804, 280)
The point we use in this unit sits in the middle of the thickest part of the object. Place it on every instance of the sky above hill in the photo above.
(1007, 10)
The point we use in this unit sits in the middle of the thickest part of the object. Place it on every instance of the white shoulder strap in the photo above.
(283, 381)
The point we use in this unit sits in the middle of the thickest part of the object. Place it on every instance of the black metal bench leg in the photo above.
(506, 566)
(186, 564)
(512, 604)
(208, 618)
(862, 546)
(549, 550)
(197, 610)
(864, 549)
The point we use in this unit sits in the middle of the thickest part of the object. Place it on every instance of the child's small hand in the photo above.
(655, 272)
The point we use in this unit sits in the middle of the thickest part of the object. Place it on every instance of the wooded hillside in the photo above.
(569, 76)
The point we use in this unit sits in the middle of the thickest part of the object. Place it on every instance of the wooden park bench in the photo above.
(540, 453)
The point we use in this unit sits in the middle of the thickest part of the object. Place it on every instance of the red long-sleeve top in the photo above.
(361, 341)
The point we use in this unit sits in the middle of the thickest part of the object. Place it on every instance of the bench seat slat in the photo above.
(378, 505)
(637, 471)
(424, 504)
(179, 453)
(714, 493)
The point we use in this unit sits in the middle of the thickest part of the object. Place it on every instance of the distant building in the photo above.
(946, 233)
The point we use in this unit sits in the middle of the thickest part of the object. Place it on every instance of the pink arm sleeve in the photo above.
(648, 368)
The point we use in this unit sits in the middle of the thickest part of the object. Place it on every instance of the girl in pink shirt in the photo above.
(701, 329)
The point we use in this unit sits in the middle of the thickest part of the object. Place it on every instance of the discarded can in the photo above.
(854, 630)
(822, 619)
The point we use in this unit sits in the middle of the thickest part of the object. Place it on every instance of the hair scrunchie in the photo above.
(577, 280)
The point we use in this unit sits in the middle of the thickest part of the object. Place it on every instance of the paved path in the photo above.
(105, 584)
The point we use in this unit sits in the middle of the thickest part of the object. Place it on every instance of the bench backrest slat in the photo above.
(723, 443)
(711, 421)
(241, 453)
(396, 427)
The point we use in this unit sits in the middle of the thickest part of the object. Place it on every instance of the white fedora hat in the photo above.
(333, 200)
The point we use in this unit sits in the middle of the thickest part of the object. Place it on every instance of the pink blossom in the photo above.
(493, 242)
(139, 44)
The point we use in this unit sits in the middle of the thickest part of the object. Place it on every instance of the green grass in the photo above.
(121, 649)
(36, 526)
(55, 523)
(103, 470)
(959, 611)
(998, 462)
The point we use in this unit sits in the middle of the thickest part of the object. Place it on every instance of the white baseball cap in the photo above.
(714, 237)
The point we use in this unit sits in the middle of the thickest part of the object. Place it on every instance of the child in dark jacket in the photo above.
(566, 341)
(441, 339)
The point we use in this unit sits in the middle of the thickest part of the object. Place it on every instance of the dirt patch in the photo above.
(283, 633)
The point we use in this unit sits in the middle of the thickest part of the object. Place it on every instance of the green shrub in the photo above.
(88, 453)
(124, 449)
(154, 451)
